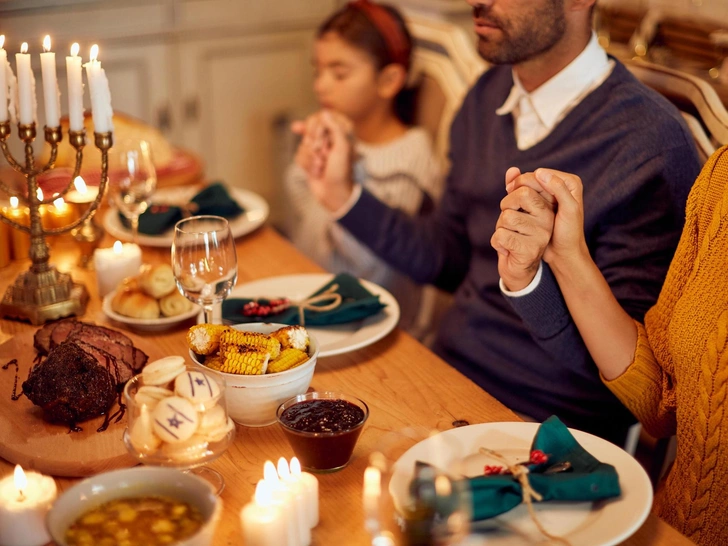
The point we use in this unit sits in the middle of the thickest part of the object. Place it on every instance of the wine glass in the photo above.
(414, 492)
(204, 260)
(132, 180)
(178, 425)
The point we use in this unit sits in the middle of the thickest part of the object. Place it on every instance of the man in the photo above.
(553, 99)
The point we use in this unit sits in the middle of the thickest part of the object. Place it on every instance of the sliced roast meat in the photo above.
(118, 369)
(61, 331)
(95, 335)
(42, 338)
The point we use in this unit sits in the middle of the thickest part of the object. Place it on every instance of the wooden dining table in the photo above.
(401, 380)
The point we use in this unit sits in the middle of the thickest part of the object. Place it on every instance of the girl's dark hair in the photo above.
(355, 28)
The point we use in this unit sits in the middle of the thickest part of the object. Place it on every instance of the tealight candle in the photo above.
(311, 491)
(25, 498)
(82, 193)
(60, 213)
(282, 497)
(299, 500)
(115, 264)
(19, 239)
(262, 519)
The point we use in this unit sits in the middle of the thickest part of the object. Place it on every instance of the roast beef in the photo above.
(61, 331)
(119, 370)
(127, 355)
(42, 338)
(70, 386)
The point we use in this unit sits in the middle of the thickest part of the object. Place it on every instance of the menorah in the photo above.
(43, 293)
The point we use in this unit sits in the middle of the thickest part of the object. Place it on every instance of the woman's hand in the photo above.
(326, 154)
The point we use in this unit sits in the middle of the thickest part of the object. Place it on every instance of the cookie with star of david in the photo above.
(198, 388)
(174, 419)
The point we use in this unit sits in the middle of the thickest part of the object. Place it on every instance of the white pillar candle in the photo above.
(311, 491)
(115, 264)
(3, 81)
(284, 500)
(98, 87)
(299, 500)
(261, 519)
(27, 105)
(51, 96)
(24, 502)
(75, 90)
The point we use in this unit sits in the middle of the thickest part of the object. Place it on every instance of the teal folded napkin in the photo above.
(587, 479)
(356, 303)
(213, 199)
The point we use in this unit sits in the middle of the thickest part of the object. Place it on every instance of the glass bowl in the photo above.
(323, 428)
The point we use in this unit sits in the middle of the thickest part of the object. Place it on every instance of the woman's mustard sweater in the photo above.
(678, 382)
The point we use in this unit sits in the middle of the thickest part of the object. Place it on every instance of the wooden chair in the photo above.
(445, 66)
(696, 99)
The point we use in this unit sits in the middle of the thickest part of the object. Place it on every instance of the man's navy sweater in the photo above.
(637, 161)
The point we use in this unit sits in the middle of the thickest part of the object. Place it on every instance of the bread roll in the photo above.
(135, 304)
(157, 280)
(174, 304)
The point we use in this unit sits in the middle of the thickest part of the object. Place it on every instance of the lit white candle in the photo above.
(311, 491)
(51, 95)
(100, 96)
(24, 501)
(261, 519)
(372, 494)
(82, 193)
(115, 264)
(75, 89)
(284, 500)
(27, 105)
(3, 81)
(299, 499)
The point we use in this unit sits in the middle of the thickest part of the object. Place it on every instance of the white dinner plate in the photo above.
(601, 523)
(256, 212)
(146, 325)
(337, 338)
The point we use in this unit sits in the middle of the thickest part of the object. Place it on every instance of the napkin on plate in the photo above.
(213, 199)
(357, 303)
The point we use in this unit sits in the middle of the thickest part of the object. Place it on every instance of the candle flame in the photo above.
(21, 482)
(47, 43)
(295, 467)
(14, 202)
(75, 48)
(59, 203)
(39, 194)
(24, 47)
(80, 185)
(263, 494)
(118, 248)
(2, 40)
(94, 52)
(283, 470)
(269, 472)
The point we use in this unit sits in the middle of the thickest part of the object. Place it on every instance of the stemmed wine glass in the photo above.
(132, 180)
(204, 260)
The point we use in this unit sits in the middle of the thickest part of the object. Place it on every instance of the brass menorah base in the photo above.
(41, 297)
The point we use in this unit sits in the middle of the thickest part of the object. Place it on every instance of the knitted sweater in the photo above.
(678, 382)
(399, 173)
(637, 160)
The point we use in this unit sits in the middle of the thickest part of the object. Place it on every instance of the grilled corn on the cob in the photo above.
(244, 342)
(295, 337)
(290, 358)
(244, 362)
(204, 339)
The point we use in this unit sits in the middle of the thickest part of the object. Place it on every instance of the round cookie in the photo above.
(218, 433)
(198, 388)
(174, 419)
(149, 395)
(141, 436)
(163, 371)
(212, 421)
(191, 449)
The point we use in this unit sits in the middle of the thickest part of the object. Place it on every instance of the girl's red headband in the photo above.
(388, 27)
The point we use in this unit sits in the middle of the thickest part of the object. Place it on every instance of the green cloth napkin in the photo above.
(357, 303)
(586, 480)
(213, 199)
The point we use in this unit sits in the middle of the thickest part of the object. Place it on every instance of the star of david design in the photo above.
(174, 422)
(200, 381)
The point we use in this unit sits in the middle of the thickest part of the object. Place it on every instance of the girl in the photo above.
(362, 58)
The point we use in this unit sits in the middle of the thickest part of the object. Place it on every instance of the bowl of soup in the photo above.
(142, 506)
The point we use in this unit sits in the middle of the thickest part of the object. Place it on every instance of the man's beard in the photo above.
(523, 37)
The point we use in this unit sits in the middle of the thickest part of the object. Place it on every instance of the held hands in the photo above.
(326, 154)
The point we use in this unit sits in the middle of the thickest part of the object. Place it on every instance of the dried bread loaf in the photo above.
(157, 280)
(135, 304)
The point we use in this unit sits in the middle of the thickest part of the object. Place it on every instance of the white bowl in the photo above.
(136, 482)
(252, 400)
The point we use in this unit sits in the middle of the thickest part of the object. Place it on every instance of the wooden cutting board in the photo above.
(28, 440)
